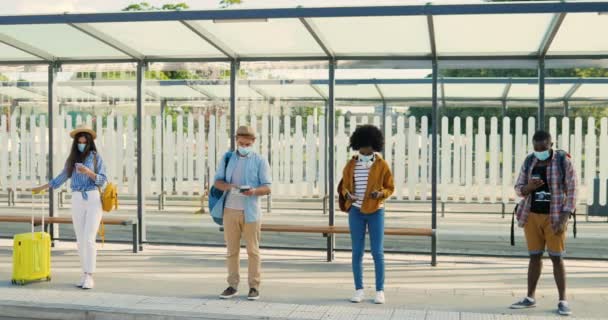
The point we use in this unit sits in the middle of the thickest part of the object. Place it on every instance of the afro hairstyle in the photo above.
(367, 136)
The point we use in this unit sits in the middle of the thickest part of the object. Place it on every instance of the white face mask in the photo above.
(366, 158)
(244, 150)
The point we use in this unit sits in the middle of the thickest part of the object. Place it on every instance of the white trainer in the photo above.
(358, 296)
(88, 282)
(379, 298)
(83, 277)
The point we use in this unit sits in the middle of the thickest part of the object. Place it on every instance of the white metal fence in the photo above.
(474, 166)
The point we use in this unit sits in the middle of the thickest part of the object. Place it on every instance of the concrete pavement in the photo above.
(178, 282)
(465, 229)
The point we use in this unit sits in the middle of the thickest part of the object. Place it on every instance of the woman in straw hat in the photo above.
(86, 169)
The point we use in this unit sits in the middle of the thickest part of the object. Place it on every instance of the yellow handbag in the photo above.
(109, 200)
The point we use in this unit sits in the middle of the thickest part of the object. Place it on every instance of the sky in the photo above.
(18, 7)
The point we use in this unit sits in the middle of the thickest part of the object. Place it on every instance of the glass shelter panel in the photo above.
(61, 40)
(359, 36)
(490, 34)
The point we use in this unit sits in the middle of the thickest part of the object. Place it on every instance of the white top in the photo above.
(235, 199)
(361, 175)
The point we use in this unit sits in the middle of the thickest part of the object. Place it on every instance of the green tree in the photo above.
(228, 3)
(145, 6)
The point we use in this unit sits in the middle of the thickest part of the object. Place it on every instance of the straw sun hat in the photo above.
(83, 128)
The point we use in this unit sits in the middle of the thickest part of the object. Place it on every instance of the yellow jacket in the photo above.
(380, 179)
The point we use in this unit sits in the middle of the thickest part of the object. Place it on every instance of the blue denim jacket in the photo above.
(257, 172)
(80, 181)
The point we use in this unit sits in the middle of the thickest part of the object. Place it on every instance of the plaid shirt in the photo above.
(563, 195)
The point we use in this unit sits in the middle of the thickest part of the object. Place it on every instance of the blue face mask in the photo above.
(244, 150)
(366, 158)
(82, 146)
(542, 155)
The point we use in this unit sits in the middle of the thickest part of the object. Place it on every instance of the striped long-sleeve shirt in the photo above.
(80, 181)
(563, 191)
(361, 175)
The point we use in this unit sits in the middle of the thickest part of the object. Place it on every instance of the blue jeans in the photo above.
(358, 222)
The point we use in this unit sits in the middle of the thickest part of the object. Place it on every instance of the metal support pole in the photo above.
(161, 197)
(270, 130)
(325, 166)
(566, 109)
(541, 95)
(331, 119)
(234, 69)
(383, 121)
(504, 108)
(435, 122)
(141, 71)
(52, 86)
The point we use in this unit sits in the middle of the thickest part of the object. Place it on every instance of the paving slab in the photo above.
(181, 282)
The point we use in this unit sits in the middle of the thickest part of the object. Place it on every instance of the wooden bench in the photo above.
(327, 230)
(68, 220)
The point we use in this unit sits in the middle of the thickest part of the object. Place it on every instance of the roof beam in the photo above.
(108, 40)
(380, 93)
(319, 91)
(556, 22)
(210, 38)
(431, 30)
(93, 92)
(316, 34)
(41, 93)
(152, 94)
(259, 91)
(12, 42)
(327, 12)
(505, 92)
(572, 91)
(201, 91)
(443, 100)
(415, 60)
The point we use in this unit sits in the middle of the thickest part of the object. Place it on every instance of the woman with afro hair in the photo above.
(367, 182)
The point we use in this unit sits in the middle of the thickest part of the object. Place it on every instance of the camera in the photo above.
(542, 196)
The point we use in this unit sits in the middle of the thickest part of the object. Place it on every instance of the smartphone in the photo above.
(536, 177)
(244, 188)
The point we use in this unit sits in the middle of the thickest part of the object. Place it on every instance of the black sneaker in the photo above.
(524, 304)
(230, 292)
(254, 294)
(563, 309)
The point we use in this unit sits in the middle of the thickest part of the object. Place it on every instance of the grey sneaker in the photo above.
(563, 308)
(254, 294)
(230, 292)
(525, 303)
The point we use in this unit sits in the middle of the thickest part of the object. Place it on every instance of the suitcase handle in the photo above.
(41, 193)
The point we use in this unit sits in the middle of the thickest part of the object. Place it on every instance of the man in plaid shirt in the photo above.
(547, 184)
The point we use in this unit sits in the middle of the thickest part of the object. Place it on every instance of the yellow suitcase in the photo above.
(31, 256)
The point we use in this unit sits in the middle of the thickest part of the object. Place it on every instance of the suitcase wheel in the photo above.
(48, 278)
(13, 282)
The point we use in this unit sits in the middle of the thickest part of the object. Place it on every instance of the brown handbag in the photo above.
(341, 198)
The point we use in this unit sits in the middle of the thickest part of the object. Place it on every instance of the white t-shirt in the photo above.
(235, 199)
